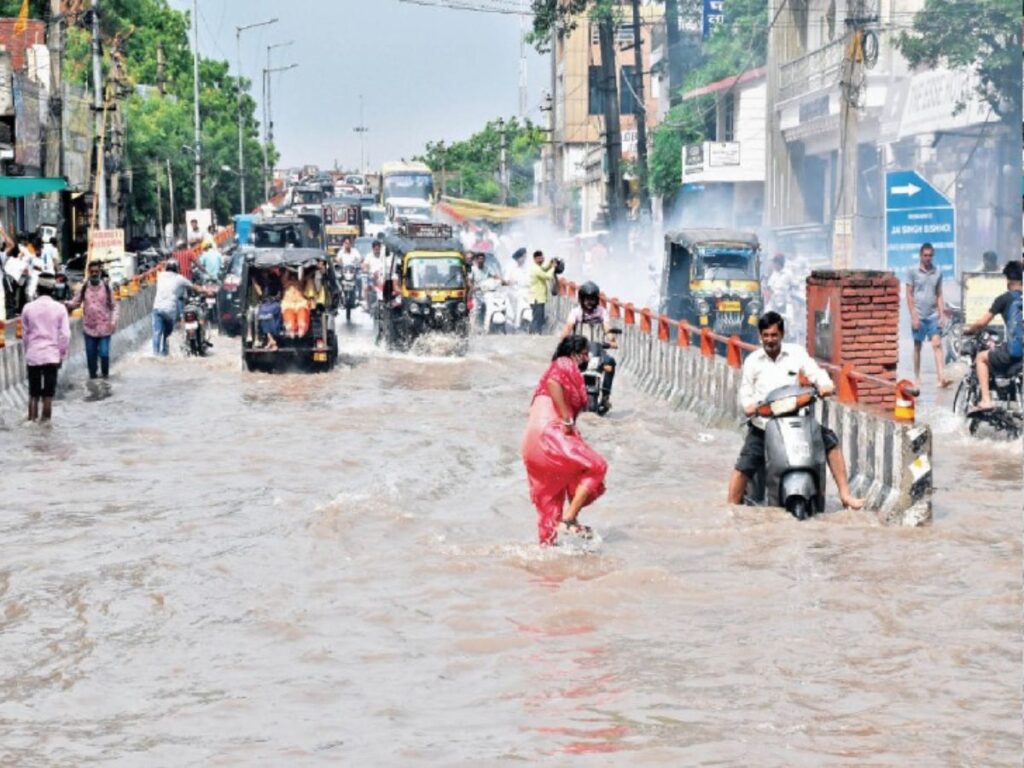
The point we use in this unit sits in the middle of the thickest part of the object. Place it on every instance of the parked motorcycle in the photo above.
(794, 472)
(195, 324)
(953, 332)
(349, 279)
(1007, 392)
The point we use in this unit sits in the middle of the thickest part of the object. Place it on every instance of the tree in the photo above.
(474, 162)
(983, 35)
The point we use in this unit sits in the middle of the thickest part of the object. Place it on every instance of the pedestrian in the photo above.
(541, 276)
(989, 262)
(194, 234)
(560, 465)
(170, 290)
(50, 256)
(99, 320)
(927, 308)
(45, 335)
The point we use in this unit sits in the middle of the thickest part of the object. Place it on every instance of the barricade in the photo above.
(888, 456)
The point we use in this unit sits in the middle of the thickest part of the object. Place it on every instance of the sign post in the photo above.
(917, 213)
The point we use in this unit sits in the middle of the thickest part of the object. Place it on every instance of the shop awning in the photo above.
(19, 186)
(460, 210)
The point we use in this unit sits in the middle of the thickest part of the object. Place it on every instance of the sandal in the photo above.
(577, 528)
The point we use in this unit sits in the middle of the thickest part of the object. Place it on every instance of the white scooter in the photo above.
(496, 306)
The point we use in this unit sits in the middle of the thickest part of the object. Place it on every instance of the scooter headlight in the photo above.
(414, 308)
(702, 307)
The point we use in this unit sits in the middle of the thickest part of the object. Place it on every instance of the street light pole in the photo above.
(238, 74)
(362, 130)
(197, 148)
(266, 118)
(270, 114)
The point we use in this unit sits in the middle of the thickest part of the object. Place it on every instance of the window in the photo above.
(596, 93)
(627, 91)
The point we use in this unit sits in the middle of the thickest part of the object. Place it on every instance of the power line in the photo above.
(505, 7)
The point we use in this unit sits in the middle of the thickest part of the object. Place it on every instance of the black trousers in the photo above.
(539, 320)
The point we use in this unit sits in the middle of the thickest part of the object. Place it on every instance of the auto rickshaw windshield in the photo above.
(423, 274)
(725, 263)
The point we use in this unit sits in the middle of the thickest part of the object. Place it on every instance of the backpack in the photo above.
(269, 317)
(1014, 329)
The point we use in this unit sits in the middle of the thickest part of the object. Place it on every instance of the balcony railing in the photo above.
(818, 69)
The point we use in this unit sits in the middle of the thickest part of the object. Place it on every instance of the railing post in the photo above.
(645, 320)
(683, 338)
(847, 393)
(663, 332)
(3, 333)
(733, 353)
(614, 308)
(17, 328)
(904, 409)
(629, 316)
(707, 343)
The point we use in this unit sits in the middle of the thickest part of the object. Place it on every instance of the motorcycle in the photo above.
(349, 289)
(794, 470)
(496, 307)
(593, 376)
(524, 312)
(953, 333)
(195, 323)
(205, 280)
(1007, 391)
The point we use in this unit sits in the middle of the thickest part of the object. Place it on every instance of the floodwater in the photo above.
(205, 567)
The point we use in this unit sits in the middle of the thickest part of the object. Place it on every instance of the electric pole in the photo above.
(845, 218)
(170, 195)
(503, 162)
(362, 130)
(612, 131)
(267, 129)
(641, 111)
(197, 147)
(673, 44)
(97, 106)
(241, 125)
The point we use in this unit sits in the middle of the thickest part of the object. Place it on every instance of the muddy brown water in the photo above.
(208, 567)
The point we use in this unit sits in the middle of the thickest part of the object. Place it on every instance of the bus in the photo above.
(406, 179)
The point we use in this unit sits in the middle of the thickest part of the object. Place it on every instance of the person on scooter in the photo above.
(584, 320)
(481, 273)
(998, 361)
(777, 365)
(373, 266)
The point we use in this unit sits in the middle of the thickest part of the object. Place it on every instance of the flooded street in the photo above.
(210, 567)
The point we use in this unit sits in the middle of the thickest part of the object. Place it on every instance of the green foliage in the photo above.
(564, 16)
(476, 160)
(983, 35)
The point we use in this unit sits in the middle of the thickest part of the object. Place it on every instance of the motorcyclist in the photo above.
(585, 320)
(348, 256)
(999, 360)
(373, 266)
(211, 260)
(481, 273)
(777, 365)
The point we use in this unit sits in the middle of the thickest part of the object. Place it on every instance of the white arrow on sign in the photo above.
(909, 190)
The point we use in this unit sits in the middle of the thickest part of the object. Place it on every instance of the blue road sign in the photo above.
(917, 213)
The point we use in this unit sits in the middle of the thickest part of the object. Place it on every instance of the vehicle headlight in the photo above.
(414, 308)
(754, 307)
(702, 307)
(461, 308)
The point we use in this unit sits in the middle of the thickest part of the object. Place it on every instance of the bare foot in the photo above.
(944, 383)
(850, 502)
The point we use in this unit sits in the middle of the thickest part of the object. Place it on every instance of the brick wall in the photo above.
(853, 317)
(17, 42)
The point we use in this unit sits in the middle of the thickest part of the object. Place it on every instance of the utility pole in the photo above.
(55, 125)
(845, 218)
(503, 161)
(553, 125)
(270, 113)
(170, 195)
(267, 130)
(362, 130)
(159, 201)
(97, 106)
(641, 111)
(673, 43)
(241, 127)
(612, 132)
(523, 80)
(197, 147)
(161, 69)
(444, 158)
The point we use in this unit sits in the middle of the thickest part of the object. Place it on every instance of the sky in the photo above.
(425, 73)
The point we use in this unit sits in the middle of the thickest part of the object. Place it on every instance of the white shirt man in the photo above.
(51, 258)
(348, 256)
(762, 374)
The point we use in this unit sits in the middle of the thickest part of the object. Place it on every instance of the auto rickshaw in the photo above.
(711, 279)
(341, 220)
(289, 296)
(426, 288)
(302, 231)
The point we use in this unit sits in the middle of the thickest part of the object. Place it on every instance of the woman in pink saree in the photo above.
(559, 464)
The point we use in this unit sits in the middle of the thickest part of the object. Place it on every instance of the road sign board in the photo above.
(917, 213)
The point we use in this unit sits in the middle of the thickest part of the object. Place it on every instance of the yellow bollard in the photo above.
(904, 408)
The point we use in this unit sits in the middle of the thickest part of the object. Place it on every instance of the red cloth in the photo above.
(557, 464)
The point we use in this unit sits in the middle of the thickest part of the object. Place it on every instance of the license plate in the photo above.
(729, 306)
(319, 357)
(191, 326)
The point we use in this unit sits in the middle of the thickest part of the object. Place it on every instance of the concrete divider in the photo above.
(889, 462)
(133, 324)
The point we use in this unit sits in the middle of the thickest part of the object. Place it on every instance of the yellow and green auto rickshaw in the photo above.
(426, 287)
(711, 279)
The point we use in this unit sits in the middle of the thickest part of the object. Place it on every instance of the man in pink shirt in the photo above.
(99, 319)
(45, 333)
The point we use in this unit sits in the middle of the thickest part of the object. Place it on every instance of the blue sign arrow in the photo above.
(917, 213)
